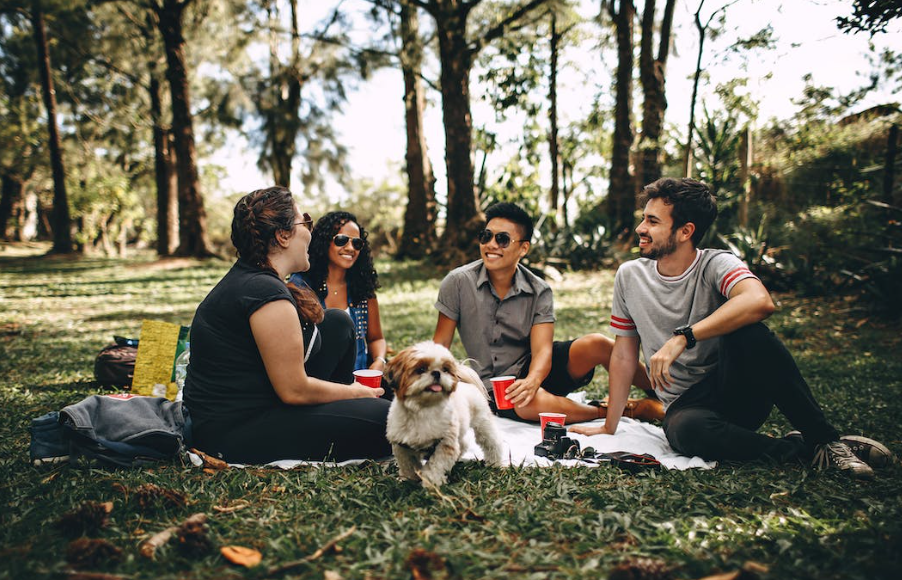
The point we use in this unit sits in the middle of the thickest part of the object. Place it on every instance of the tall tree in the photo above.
(652, 75)
(456, 53)
(192, 215)
(166, 177)
(553, 140)
(62, 236)
(621, 193)
(22, 135)
(284, 97)
(419, 234)
(703, 29)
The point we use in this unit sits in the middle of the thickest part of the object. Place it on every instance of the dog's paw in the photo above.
(435, 481)
(410, 476)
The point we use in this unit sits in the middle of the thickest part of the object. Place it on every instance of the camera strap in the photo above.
(630, 461)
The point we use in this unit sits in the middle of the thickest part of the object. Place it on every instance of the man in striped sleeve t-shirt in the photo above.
(718, 369)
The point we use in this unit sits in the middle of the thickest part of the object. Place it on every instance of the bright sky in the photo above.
(808, 41)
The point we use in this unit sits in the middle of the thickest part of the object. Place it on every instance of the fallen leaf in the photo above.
(247, 557)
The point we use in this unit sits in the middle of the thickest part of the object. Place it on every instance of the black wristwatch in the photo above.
(687, 332)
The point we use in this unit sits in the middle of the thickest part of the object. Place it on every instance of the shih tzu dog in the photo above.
(437, 400)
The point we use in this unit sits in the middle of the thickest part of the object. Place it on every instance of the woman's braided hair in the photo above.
(362, 279)
(258, 216)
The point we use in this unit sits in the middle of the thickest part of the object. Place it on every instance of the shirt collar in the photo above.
(520, 284)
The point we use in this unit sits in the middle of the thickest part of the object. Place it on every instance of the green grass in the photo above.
(56, 314)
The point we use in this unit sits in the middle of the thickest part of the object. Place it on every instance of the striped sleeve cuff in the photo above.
(623, 326)
(734, 276)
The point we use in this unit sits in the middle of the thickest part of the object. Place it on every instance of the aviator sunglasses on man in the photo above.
(306, 221)
(503, 239)
(342, 240)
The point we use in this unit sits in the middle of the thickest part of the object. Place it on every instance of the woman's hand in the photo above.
(364, 392)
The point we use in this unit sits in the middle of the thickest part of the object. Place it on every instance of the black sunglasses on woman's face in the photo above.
(503, 239)
(342, 240)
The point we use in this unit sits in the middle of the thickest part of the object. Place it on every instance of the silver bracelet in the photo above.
(382, 358)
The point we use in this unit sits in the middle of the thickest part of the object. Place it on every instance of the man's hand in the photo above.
(659, 365)
(522, 391)
(593, 430)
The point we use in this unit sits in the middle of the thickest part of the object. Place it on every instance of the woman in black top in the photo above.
(252, 396)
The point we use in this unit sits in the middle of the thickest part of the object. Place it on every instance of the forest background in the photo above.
(116, 117)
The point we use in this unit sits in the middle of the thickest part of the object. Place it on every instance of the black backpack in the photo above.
(115, 365)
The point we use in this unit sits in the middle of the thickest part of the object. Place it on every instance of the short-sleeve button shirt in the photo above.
(495, 331)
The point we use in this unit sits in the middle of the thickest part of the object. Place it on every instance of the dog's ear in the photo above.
(392, 372)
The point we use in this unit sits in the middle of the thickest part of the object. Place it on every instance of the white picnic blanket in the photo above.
(521, 438)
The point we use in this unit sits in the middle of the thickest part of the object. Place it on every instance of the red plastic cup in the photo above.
(546, 418)
(499, 385)
(369, 377)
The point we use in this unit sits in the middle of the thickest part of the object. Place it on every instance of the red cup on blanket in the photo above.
(499, 385)
(369, 377)
(546, 418)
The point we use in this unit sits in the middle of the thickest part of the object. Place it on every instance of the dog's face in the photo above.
(423, 374)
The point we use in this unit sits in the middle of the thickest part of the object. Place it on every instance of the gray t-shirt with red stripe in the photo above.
(649, 305)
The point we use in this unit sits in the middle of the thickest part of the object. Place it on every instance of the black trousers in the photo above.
(337, 431)
(333, 355)
(718, 417)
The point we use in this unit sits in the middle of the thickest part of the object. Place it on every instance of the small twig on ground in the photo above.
(516, 568)
(240, 505)
(71, 575)
(149, 547)
(276, 570)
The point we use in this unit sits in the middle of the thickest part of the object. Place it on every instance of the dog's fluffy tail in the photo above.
(468, 375)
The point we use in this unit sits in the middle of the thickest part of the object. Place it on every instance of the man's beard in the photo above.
(653, 253)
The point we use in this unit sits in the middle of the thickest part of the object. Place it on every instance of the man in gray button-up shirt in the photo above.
(505, 315)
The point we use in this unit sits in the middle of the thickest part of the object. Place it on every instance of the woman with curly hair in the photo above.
(342, 275)
(270, 372)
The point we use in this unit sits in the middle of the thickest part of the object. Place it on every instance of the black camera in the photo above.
(556, 445)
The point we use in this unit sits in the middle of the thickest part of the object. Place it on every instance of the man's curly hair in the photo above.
(362, 279)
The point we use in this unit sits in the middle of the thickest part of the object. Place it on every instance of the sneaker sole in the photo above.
(871, 452)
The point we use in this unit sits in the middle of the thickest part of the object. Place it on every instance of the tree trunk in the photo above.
(889, 168)
(621, 195)
(464, 217)
(418, 238)
(652, 75)
(745, 182)
(284, 122)
(553, 146)
(62, 236)
(164, 171)
(192, 215)
(11, 188)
